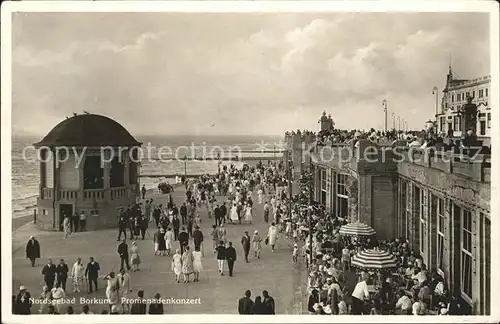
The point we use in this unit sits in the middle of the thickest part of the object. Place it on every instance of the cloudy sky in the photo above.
(169, 73)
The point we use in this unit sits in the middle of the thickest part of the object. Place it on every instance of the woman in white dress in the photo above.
(197, 265)
(67, 227)
(169, 238)
(45, 298)
(248, 214)
(112, 289)
(187, 264)
(257, 245)
(222, 233)
(274, 204)
(272, 235)
(260, 193)
(135, 260)
(234, 213)
(177, 265)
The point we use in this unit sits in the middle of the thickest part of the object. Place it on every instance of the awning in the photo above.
(374, 259)
(357, 229)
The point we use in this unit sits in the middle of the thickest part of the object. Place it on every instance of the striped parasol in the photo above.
(374, 259)
(357, 229)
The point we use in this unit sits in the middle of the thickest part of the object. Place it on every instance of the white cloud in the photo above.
(247, 74)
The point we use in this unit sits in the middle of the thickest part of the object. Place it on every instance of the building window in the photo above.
(457, 126)
(422, 222)
(486, 92)
(44, 212)
(342, 199)
(417, 217)
(323, 187)
(466, 253)
(408, 211)
(473, 93)
(442, 123)
(482, 127)
(489, 120)
(440, 232)
(452, 97)
(403, 215)
(480, 93)
(463, 95)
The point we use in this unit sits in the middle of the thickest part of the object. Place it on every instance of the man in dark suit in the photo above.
(176, 224)
(183, 239)
(217, 215)
(62, 274)
(122, 225)
(139, 308)
(268, 303)
(245, 242)
(245, 304)
(144, 223)
(33, 250)
(92, 273)
(49, 274)
(223, 212)
(184, 213)
(175, 210)
(197, 238)
(123, 253)
(231, 258)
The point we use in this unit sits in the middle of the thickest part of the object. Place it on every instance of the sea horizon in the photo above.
(25, 175)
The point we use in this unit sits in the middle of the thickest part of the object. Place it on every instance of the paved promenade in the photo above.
(219, 294)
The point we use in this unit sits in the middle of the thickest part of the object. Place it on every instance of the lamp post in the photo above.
(393, 121)
(435, 92)
(384, 103)
(399, 124)
(185, 166)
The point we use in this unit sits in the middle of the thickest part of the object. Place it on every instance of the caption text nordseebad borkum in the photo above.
(123, 300)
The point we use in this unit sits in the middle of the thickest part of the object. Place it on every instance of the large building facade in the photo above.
(439, 201)
(455, 96)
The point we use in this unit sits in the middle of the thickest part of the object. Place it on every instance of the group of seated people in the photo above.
(337, 288)
(410, 288)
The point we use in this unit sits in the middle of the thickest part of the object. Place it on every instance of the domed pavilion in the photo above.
(88, 163)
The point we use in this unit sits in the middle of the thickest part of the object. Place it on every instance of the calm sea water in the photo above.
(26, 175)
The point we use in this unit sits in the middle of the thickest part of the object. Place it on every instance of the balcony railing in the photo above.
(118, 192)
(47, 193)
(68, 194)
(477, 168)
(88, 194)
(94, 194)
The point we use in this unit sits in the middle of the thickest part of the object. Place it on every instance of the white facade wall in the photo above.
(457, 96)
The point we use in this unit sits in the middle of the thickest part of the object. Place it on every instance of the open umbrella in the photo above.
(357, 229)
(374, 259)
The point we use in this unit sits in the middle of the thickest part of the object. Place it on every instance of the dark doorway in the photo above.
(64, 210)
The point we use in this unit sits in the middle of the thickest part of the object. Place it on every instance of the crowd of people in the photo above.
(337, 288)
(175, 228)
(261, 305)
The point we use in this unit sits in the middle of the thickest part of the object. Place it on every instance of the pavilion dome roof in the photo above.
(89, 130)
